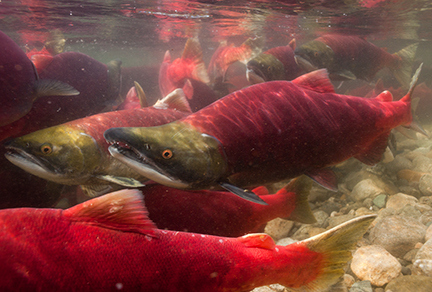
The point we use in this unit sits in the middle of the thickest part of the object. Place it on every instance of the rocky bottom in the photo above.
(395, 255)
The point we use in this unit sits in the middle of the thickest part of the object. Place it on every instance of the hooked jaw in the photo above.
(127, 147)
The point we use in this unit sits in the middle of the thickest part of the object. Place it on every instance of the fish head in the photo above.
(61, 154)
(314, 55)
(264, 67)
(175, 155)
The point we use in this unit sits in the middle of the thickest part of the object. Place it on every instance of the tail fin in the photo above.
(335, 245)
(407, 98)
(403, 70)
(193, 51)
(301, 186)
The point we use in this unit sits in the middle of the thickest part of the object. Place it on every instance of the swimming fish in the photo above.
(76, 69)
(275, 64)
(352, 57)
(173, 74)
(265, 133)
(226, 54)
(75, 153)
(20, 85)
(109, 244)
(223, 213)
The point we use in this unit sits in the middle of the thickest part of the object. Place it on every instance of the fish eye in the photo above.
(46, 149)
(167, 154)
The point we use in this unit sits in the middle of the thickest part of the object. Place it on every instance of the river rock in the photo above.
(399, 162)
(422, 262)
(365, 189)
(373, 263)
(425, 185)
(336, 220)
(397, 234)
(278, 228)
(380, 200)
(321, 218)
(411, 283)
(400, 200)
(362, 286)
(428, 233)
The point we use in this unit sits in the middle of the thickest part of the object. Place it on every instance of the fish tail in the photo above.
(402, 68)
(193, 51)
(335, 246)
(301, 186)
(414, 125)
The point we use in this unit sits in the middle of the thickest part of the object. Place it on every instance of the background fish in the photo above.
(275, 64)
(351, 57)
(76, 153)
(20, 85)
(223, 213)
(75, 69)
(57, 252)
(265, 133)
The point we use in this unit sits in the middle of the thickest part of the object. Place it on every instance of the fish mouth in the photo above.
(142, 164)
(305, 63)
(255, 75)
(33, 164)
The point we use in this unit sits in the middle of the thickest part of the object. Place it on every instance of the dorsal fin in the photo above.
(141, 95)
(167, 57)
(260, 240)
(292, 44)
(175, 100)
(261, 191)
(317, 80)
(123, 210)
(385, 96)
(192, 51)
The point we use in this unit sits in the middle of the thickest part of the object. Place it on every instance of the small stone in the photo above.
(278, 228)
(421, 163)
(362, 211)
(302, 233)
(428, 233)
(418, 245)
(409, 256)
(380, 200)
(379, 290)
(406, 271)
(400, 200)
(422, 262)
(315, 231)
(411, 283)
(270, 288)
(321, 218)
(397, 234)
(285, 241)
(373, 263)
(400, 162)
(336, 220)
(365, 189)
(410, 211)
(425, 185)
(362, 286)
(348, 280)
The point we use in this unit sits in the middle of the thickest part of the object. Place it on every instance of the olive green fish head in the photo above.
(314, 55)
(264, 67)
(61, 154)
(175, 154)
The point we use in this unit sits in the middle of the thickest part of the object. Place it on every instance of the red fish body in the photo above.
(17, 76)
(223, 213)
(351, 57)
(297, 129)
(265, 133)
(109, 244)
(99, 90)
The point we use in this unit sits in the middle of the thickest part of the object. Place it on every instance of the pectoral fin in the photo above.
(324, 177)
(243, 193)
(92, 191)
(123, 181)
(53, 88)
